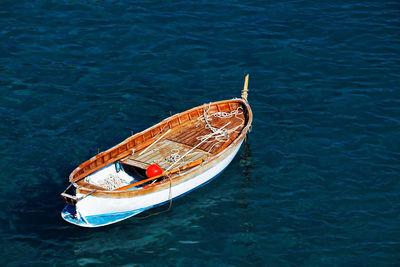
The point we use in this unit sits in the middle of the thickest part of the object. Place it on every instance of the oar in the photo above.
(190, 165)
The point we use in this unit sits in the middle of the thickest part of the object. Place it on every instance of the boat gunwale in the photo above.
(211, 160)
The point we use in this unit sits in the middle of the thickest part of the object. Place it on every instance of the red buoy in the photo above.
(153, 170)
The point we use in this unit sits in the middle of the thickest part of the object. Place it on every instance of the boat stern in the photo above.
(70, 214)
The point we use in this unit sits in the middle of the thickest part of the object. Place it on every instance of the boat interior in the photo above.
(206, 133)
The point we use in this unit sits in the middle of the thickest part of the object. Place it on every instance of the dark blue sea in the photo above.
(317, 185)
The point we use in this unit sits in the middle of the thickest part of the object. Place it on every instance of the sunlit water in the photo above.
(319, 183)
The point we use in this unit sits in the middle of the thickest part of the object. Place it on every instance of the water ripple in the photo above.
(317, 184)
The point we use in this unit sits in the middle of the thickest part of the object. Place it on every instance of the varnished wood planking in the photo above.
(143, 139)
(190, 134)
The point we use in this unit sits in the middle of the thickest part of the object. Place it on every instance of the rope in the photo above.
(111, 182)
(174, 157)
(221, 135)
(169, 207)
(204, 140)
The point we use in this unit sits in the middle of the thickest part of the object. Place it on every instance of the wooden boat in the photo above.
(191, 148)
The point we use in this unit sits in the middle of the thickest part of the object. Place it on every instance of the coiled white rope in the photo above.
(110, 182)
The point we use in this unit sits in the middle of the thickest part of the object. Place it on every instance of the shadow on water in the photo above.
(249, 240)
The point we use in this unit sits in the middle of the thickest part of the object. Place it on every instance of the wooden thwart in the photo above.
(135, 163)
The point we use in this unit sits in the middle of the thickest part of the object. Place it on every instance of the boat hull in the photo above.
(95, 211)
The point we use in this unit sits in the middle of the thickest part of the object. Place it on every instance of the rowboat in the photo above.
(157, 165)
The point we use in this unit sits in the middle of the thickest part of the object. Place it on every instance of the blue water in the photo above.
(318, 184)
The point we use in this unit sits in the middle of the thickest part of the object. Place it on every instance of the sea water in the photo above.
(318, 183)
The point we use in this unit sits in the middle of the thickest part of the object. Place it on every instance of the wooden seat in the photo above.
(132, 162)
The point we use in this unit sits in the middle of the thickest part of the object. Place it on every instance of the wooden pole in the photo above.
(244, 91)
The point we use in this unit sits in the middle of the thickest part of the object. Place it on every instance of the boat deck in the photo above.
(179, 142)
(165, 153)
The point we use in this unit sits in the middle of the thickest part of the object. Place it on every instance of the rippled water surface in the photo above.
(319, 184)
